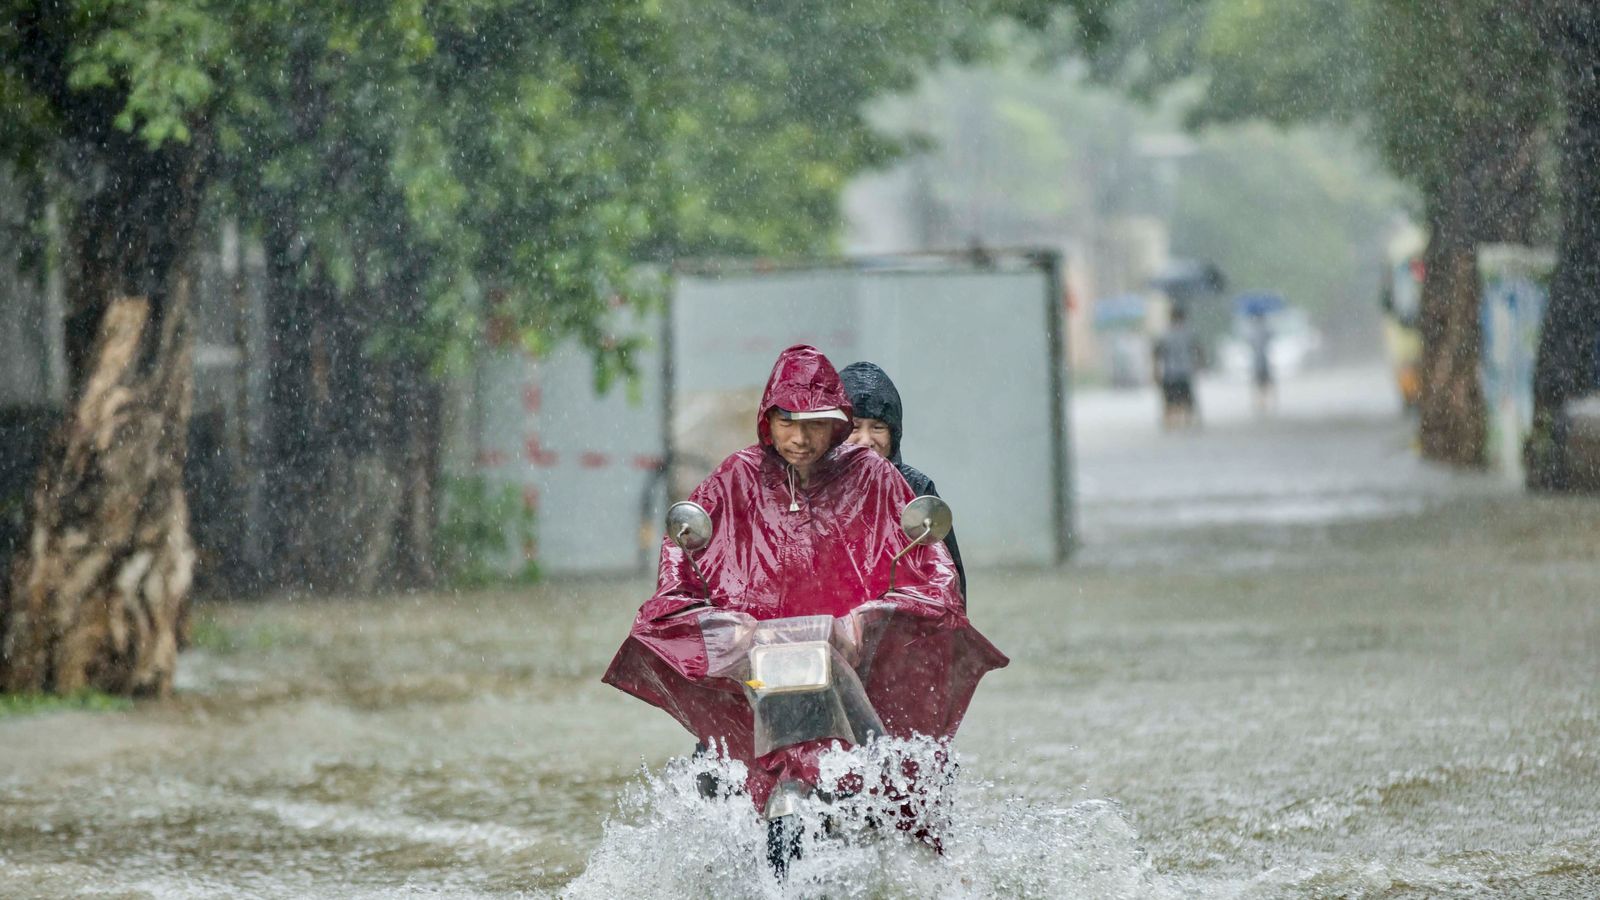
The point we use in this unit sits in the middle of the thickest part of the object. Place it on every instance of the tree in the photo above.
(501, 166)
(1461, 94)
(415, 169)
(1455, 95)
(1569, 344)
(771, 101)
(113, 98)
(132, 112)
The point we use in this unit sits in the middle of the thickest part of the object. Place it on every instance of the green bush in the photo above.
(12, 705)
(486, 534)
(208, 634)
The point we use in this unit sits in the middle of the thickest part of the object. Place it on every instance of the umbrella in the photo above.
(1122, 309)
(1189, 279)
(1258, 303)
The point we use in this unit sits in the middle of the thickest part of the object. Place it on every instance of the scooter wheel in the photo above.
(783, 843)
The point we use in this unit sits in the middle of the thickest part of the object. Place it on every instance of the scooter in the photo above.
(801, 675)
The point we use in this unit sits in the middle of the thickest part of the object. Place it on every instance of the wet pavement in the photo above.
(1290, 660)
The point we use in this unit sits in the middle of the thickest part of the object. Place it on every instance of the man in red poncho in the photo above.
(805, 524)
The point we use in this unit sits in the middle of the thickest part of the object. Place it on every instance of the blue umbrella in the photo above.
(1258, 303)
(1122, 309)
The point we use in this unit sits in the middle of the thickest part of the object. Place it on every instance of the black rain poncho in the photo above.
(874, 396)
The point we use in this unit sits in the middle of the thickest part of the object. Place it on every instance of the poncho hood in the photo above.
(803, 380)
(873, 396)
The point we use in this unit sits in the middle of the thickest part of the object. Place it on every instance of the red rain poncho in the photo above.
(828, 556)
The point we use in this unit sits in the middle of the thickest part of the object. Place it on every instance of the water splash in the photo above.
(669, 841)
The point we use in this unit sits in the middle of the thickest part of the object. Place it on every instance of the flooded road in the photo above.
(1290, 661)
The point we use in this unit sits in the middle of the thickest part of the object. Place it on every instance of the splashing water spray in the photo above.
(917, 827)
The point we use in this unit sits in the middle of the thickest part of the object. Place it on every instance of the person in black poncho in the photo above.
(878, 422)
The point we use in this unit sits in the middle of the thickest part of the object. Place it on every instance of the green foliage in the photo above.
(770, 121)
(1447, 76)
(769, 124)
(1151, 44)
(1423, 79)
(484, 525)
(1281, 61)
(436, 167)
(206, 633)
(157, 56)
(148, 69)
(15, 705)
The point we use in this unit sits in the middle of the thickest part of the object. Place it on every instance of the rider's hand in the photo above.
(847, 636)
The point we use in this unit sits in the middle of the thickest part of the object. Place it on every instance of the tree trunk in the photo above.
(354, 440)
(1451, 402)
(421, 411)
(1569, 342)
(98, 589)
(1490, 195)
(296, 440)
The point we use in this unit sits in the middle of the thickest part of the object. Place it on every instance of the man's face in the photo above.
(800, 443)
(872, 433)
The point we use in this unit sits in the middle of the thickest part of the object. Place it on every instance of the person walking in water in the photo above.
(1177, 359)
(1260, 340)
(877, 425)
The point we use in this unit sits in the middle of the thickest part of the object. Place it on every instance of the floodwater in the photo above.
(1290, 661)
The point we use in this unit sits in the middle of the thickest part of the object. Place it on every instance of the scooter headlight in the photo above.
(791, 668)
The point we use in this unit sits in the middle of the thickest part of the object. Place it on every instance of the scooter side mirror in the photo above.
(925, 520)
(689, 526)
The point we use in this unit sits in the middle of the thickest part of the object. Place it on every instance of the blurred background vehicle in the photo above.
(1402, 334)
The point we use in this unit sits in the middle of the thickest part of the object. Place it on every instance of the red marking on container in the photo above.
(537, 454)
(532, 397)
(500, 329)
(530, 498)
(593, 459)
(648, 463)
